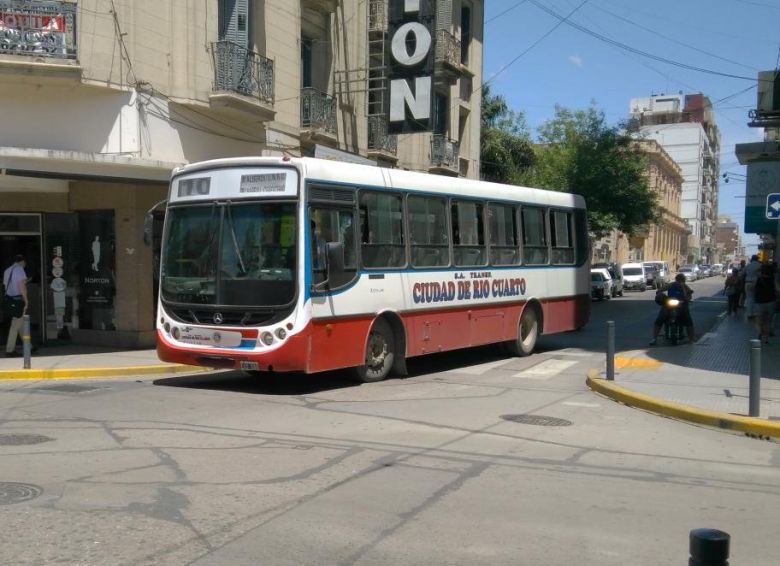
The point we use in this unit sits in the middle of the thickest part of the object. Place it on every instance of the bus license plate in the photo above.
(249, 366)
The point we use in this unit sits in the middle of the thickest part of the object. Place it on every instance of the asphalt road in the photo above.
(431, 469)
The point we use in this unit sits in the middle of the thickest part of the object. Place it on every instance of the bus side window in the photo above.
(468, 233)
(428, 231)
(581, 239)
(502, 227)
(561, 234)
(535, 247)
(382, 230)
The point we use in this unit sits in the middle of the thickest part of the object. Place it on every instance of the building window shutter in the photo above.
(444, 15)
(234, 21)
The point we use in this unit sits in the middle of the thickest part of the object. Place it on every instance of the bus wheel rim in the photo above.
(377, 351)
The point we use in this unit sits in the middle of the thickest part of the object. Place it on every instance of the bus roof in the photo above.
(331, 171)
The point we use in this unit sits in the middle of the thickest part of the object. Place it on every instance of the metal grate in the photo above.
(237, 69)
(23, 439)
(11, 493)
(320, 194)
(536, 420)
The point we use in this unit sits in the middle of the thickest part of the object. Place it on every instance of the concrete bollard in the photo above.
(26, 345)
(610, 350)
(709, 547)
(754, 404)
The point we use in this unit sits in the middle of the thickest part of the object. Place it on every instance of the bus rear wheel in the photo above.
(380, 354)
(527, 333)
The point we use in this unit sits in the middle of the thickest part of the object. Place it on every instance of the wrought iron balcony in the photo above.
(44, 28)
(240, 70)
(377, 15)
(318, 110)
(447, 49)
(444, 153)
(379, 141)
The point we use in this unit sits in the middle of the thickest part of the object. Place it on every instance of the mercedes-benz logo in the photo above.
(217, 318)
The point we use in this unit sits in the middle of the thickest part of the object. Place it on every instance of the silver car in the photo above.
(689, 273)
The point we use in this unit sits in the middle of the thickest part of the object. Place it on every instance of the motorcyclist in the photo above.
(680, 291)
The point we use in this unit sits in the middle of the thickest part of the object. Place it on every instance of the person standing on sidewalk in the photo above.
(741, 270)
(764, 300)
(751, 276)
(15, 300)
(732, 290)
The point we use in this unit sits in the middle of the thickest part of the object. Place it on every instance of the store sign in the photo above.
(38, 28)
(763, 179)
(411, 56)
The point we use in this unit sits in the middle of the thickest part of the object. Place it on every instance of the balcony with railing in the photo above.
(377, 16)
(243, 81)
(318, 116)
(445, 155)
(381, 145)
(39, 38)
(447, 51)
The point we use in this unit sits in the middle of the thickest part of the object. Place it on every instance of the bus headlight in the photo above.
(176, 332)
(167, 327)
(281, 333)
(267, 338)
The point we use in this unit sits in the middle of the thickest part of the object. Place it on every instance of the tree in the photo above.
(505, 147)
(580, 153)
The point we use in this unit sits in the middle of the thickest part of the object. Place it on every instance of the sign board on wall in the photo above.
(763, 178)
(411, 52)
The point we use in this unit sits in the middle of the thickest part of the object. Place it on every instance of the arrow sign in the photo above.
(773, 206)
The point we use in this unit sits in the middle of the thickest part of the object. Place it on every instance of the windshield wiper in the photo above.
(235, 240)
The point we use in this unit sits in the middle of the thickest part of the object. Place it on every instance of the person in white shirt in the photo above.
(15, 282)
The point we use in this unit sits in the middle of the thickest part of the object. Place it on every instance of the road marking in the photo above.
(644, 363)
(572, 352)
(546, 369)
(480, 369)
(578, 404)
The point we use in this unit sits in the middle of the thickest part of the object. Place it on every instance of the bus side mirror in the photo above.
(148, 224)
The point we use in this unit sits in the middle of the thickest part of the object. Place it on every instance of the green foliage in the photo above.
(506, 150)
(579, 153)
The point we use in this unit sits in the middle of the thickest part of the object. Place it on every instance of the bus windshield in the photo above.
(230, 254)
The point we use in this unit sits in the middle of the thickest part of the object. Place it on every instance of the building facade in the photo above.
(728, 240)
(664, 241)
(684, 125)
(103, 98)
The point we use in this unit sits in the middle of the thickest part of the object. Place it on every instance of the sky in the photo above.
(536, 62)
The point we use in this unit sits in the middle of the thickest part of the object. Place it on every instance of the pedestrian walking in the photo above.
(764, 302)
(732, 290)
(741, 270)
(751, 276)
(14, 301)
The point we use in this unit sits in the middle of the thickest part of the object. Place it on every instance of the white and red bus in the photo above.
(299, 264)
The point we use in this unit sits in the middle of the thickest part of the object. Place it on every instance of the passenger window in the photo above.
(502, 229)
(332, 225)
(382, 230)
(561, 234)
(535, 251)
(428, 233)
(468, 233)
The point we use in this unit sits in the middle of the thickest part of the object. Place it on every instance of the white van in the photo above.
(634, 276)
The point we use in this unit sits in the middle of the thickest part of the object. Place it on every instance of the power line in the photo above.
(512, 7)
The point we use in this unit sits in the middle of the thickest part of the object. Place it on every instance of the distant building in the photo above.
(665, 241)
(727, 239)
(684, 125)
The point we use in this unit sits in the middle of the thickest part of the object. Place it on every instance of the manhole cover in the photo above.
(68, 388)
(22, 439)
(11, 493)
(538, 420)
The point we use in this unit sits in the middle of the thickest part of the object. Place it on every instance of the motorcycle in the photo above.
(674, 330)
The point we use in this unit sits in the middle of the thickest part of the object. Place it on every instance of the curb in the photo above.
(749, 425)
(92, 373)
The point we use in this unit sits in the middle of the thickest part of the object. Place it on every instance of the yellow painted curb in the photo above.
(749, 425)
(91, 373)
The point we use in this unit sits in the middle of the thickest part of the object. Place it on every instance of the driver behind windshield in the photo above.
(680, 291)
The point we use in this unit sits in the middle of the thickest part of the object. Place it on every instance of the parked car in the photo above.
(663, 276)
(651, 275)
(706, 270)
(690, 274)
(600, 284)
(634, 276)
(694, 269)
(717, 269)
(615, 273)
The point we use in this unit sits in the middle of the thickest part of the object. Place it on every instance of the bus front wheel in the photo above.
(527, 333)
(380, 350)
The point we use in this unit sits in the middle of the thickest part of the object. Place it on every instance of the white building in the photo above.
(684, 126)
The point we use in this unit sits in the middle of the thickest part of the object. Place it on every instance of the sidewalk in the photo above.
(710, 377)
(77, 362)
